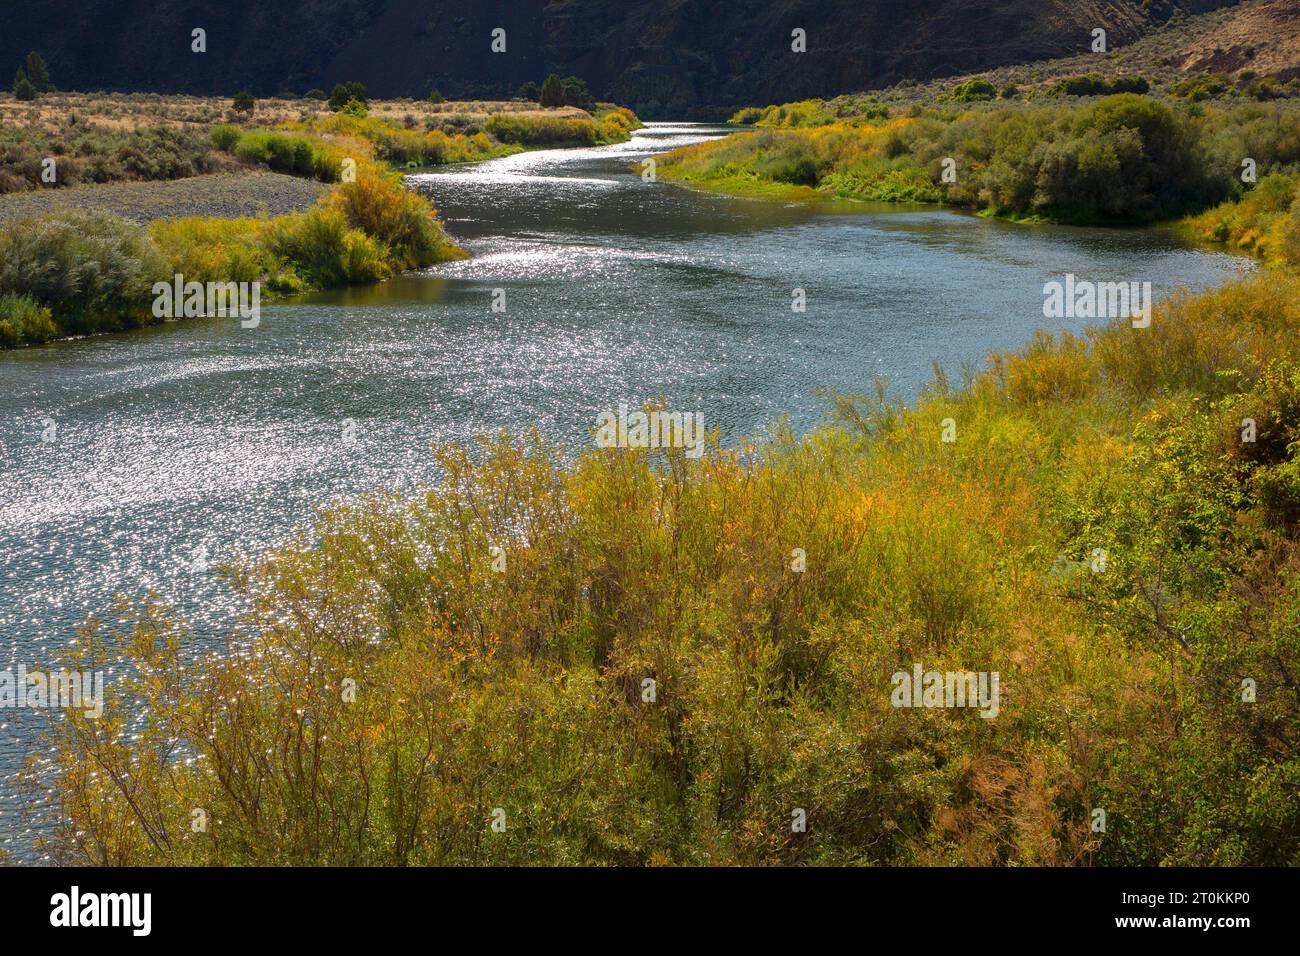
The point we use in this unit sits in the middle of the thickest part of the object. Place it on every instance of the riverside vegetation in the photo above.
(636, 657)
(79, 273)
(1122, 158)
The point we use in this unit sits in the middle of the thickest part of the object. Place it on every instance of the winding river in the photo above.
(174, 448)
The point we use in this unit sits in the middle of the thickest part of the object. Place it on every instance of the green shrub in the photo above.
(93, 271)
(286, 153)
(534, 130)
(23, 88)
(325, 250)
(552, 92)
(225, 137)
(345, 93)
(1130, 84)
(974, 90)
(24, 321)
(38, 73)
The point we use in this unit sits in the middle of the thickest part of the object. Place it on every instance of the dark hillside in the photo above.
(665, 56)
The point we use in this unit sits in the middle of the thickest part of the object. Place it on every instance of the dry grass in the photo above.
(129, 111)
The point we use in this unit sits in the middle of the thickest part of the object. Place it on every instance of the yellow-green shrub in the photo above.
(325, 250)
(24, 321)
(533, 129)
(210, 249)
(405, 222)
(682, 653)
(1265, 221)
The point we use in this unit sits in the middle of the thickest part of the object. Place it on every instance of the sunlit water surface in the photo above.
(179, 447)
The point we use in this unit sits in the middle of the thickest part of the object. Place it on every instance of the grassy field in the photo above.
(135, 110)
(98, 138)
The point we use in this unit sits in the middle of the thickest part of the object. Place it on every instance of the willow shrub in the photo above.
(405, 222)
(1265, 222)
(648, 679)
(533, 129)
(210, 249)
(24, 321)
(92, 270)
(408, 147)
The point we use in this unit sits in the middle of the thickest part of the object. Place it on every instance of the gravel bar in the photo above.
(220, 194)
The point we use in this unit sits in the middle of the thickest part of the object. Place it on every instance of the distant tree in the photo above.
(244, 102)
(974, 90)
(37, 73)
(552, 93)
(315, 95)
(1090, 85)
(354, 108)
(530, 91)
(23, 88)
(1265, 89)
(344, 93)
(1130, 84)
(576, 93)
(436, 97)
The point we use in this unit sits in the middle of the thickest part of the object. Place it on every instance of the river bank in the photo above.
(181, 448)
(221, 195)
(633, 657)
(365, 228)
(1112, 160)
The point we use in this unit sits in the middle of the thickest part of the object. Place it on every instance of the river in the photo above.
(174, 448)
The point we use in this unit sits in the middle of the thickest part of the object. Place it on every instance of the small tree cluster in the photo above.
(557, 91)
(344, 94)
(32, 78)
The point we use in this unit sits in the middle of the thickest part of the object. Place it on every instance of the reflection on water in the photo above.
(203, 441)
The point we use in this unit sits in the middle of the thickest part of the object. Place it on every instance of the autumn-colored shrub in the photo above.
(1266, 221)
(376, 203)
(24, 321)
(634, 657)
